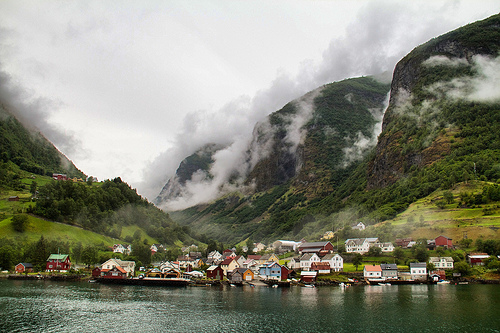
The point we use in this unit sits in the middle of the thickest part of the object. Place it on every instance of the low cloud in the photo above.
(361, 144)
(481, 87)
(34, 113)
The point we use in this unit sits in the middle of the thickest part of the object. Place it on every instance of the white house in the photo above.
(385, 247)
(372, 272)
(307, 259)
(359, 245)
(418, 270)
(128, 266)
(120, 248)
(258, 247)
(359, 226)
(214, 255)
(294, 263)
(283, 246)
(335, 260)
(442, 262)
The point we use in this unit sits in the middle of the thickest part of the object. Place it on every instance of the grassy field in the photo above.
(52, 230)
(132, 229)
(423, 219)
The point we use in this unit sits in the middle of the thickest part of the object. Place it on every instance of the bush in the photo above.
(20, 222)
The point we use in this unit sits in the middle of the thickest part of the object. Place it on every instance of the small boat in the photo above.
(232, 285)
(309, 285)
(92, 281)
(443, 282)
(274, 286)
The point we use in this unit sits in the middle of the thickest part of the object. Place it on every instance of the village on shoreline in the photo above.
(285, 263)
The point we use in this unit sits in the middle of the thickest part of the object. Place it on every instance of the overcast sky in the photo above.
(130, 88)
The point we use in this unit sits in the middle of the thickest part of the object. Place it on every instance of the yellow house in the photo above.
(229, 265)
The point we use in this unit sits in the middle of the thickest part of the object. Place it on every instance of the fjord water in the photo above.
(39, 306)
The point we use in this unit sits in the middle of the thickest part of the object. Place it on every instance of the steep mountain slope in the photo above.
(304, 152)
(30, 150)
(438, 91)
(442, 127)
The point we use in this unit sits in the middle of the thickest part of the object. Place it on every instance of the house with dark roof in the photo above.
(320, 248)
(240, 274)
(24, 267)
(418, 270)
(389, 271)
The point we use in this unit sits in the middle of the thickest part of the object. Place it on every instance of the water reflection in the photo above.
(43, 307)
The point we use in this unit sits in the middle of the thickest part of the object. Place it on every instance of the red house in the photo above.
(24, 267)
(59, 176)
(477, 258)
(443, 241)
(215, 272)
(58, 262)
(96, 272)
(320, 248)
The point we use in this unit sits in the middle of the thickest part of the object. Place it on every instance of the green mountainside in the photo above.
(30, 150)
(441, 129)
(290, 183)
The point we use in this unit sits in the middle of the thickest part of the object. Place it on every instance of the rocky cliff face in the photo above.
(410, 93)
(199, 162)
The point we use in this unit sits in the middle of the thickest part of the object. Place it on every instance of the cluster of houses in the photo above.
(313, 259)
(418, 271)
(363, 245)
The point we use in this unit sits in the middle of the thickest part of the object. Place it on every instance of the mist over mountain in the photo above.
(334, 150)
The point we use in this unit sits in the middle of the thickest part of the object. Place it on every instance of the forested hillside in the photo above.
(30, 150)
(105, 208)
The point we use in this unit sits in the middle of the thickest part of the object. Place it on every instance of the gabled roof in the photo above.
(306, 256)
(447, 259)
(26, 264)
(58, 257)
(418, 265)
(254, 256)
(211, 268)
(444, 237)
(227, 261)
(321, 265)
(242, 270)
(330, 256)
(313, 245)
(373, 268)
(479, 255)
(392, 267)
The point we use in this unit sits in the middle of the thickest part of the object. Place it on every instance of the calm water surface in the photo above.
(39, 306)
